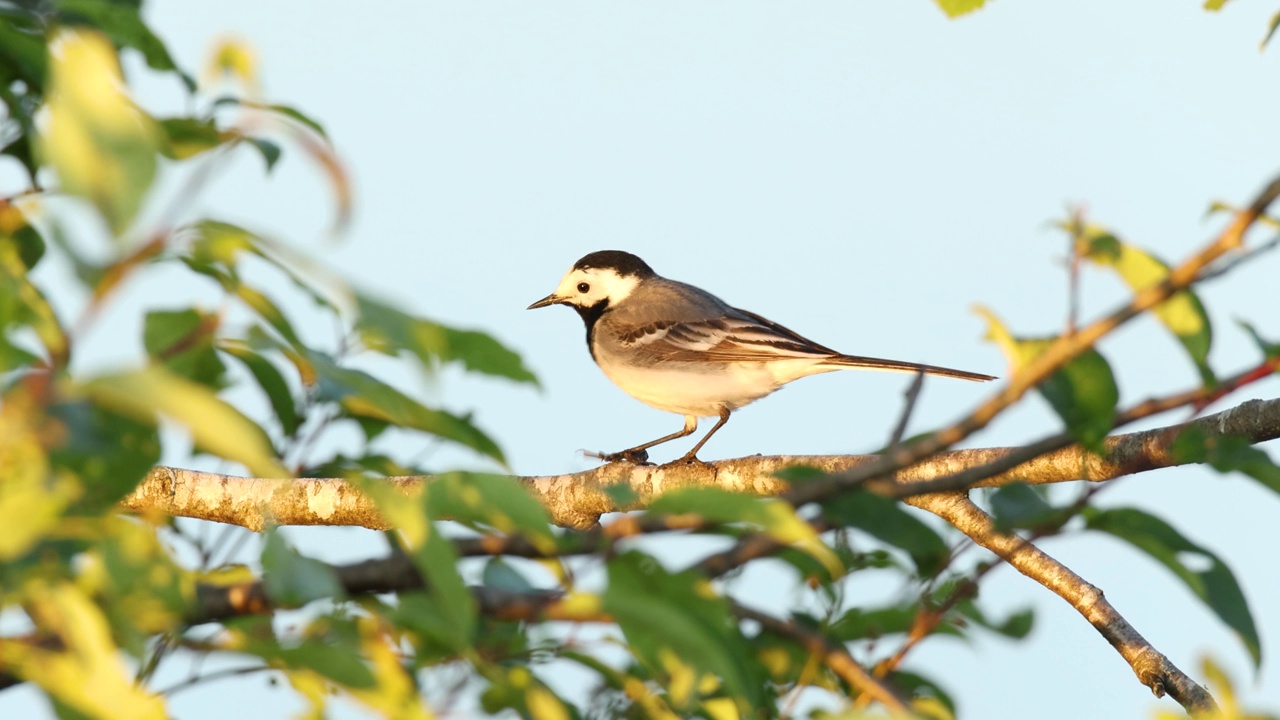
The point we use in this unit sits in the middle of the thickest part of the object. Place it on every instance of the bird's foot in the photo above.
(635, 457)
(690, 459)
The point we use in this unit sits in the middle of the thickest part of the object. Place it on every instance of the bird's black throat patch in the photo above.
(589, 317)
(623, 263)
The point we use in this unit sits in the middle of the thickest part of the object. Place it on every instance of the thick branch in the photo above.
(577, 500)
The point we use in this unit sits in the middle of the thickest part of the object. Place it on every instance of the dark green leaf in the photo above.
(1215, 586)
(1016, 626)
(15, 229)
(271, 381)
(339, 663)
(109, 452)
(122, 22)
(859, 623)
(669, 616)
(390, 331)
(182, 341)
(270, 151)
(292, 580)
(451, 609)
(499, 574)
(362, 395)
(1019, 506)
(888, 521)
(1226, 454)
(1268, 348)
(23, 52)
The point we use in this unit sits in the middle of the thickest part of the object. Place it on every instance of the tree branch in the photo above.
(1152, 668)
(577, 500)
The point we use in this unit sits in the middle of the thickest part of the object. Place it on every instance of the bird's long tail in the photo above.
(899, 366)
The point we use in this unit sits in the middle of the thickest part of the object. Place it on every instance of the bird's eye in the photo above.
(583, 288)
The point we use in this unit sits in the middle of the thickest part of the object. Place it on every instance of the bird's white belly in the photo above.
(697, 389)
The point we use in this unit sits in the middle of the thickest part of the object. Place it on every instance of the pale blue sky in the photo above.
(861, 172)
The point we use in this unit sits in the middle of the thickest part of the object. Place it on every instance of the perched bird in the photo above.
(681, 349)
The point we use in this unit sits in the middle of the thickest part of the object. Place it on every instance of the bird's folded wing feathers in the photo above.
(740, 336)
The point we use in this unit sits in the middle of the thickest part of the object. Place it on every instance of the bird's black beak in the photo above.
(551, 299)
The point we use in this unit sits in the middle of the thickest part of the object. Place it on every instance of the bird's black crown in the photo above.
(623, 263)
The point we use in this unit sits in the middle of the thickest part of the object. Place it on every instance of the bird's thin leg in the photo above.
(638, 453)
(692, 455)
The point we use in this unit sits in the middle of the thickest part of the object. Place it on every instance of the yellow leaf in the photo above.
(394, 694)
(235, 58)
(31, 498)
(86, 673)
(544, 705)
(101, 145)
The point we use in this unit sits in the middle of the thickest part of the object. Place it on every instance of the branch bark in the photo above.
(577, 500)
(1152, 668)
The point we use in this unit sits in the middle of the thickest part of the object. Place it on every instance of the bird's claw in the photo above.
(690, 460)
(635, 457)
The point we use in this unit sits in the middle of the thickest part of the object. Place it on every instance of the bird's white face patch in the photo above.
(585, 287)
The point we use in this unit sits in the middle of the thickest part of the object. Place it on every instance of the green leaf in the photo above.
(272, 382)
(1225, 454)
(1215, 586)
(775, 517)
(186, 137)
(23, 305)
(362, 395)
(495, 501)
(1083, 391)
(109, 452)
(122, 22)
(16, 231)
(1183, 313)
(859, 623)
(216, 427)
(918, 687)
(269, 151)
(182, 341)
(886, 520)
(680, 627)
(1272, 25)
(956, 8)
(292, 580)
(449, 613)
(337, 663)
(1019, 506)
(1268, 348)
(300, 118)
(101, 145)
(499, 574)
(390, 331)
(1016, 626)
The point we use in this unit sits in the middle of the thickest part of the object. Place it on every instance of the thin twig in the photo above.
(911, 396)
(833, 654)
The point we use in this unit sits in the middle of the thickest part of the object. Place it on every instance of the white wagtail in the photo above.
(681, 349)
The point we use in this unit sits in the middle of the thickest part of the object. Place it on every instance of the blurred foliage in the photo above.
(243, 381)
